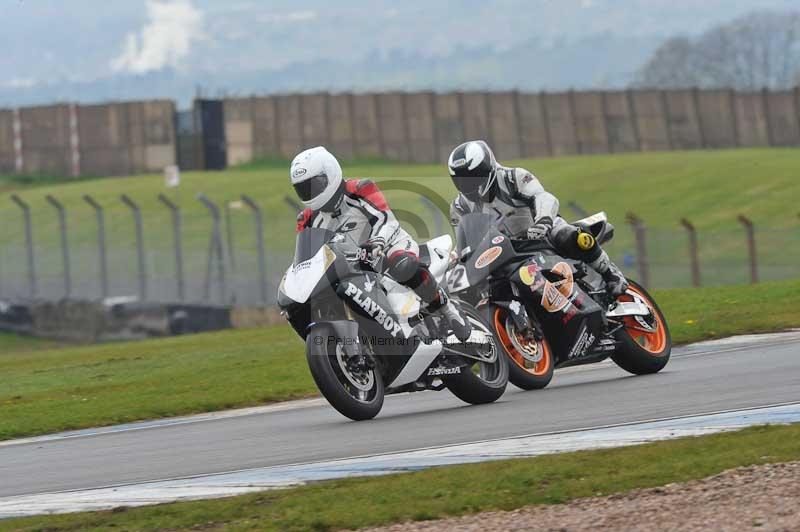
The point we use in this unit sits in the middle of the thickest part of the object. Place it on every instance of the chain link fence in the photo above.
(231, 252)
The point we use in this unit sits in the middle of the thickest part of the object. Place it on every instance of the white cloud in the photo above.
(19, 83)
(172, 27)
(292, 16)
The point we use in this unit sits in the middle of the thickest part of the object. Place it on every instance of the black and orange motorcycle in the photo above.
(550, 312)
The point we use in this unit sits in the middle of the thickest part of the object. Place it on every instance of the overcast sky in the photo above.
(82, 40)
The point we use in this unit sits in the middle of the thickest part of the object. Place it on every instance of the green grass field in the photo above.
(708, 187)
(49, 390)
(450, 491)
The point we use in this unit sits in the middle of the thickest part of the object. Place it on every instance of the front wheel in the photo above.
(531, 361)
(481, 382)
(350, 386)
(646, 343)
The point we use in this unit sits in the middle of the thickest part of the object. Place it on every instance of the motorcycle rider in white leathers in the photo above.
(358, 208)
(530, 211)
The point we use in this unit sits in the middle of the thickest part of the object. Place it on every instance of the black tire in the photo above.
(527, 378)
(477, 389)
(325, 369)
(635, 357)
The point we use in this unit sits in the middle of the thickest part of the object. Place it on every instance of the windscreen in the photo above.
(308, 243)
(473, 227)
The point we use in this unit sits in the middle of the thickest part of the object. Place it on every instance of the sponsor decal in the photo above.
(440, 370)
(375, 311)
(498, 239)
(557, 294)
(585, 241)
(528, 273)
(585, 340)
(574, 307)
(306, 264)
(368, 285)
(527, 178)
(488, 257)
(514, 306)
(459, 162)
(299, 172)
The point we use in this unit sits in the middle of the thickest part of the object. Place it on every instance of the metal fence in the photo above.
(225, 256)
(227, 253)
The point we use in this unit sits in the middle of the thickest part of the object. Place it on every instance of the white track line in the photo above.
(255, 479)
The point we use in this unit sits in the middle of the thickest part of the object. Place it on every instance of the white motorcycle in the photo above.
(366, 335)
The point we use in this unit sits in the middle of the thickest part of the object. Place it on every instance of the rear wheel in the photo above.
(482, 381)
(350, 386)
(646, 341)
(531, 362)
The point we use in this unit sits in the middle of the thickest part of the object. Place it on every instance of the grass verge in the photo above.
(450, 491)
(708, 187)
(44, 391)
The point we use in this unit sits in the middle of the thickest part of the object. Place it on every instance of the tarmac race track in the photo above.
(731, 374)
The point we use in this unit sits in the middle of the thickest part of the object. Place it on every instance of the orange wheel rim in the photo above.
(534, 368)
(653, 342)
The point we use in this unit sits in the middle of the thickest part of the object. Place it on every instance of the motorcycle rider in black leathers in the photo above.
(528, 209)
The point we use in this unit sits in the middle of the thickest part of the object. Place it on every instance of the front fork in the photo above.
(522, 321)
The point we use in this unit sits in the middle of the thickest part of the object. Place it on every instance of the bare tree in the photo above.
(761, 49)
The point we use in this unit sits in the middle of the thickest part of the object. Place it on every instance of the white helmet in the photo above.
(316, 177)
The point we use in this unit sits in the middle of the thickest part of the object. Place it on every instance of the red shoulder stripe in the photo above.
(304, 218)
(368, 190)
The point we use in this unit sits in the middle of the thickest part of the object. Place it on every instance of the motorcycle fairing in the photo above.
(439, 249)
(304, 279)
(571, 319)
(494, 249)
(384, 301)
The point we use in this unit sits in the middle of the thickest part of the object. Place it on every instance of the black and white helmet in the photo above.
(472, 167)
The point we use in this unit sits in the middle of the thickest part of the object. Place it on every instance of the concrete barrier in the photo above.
(45, 140)
(751, 119)
(717, 118)
(104, 142)
(239, 138)
(475, 116)
(7, 153)
(266, 128)
(623, 135)
(782, 118)
(682, 120)
(366, 134)
(290, 124)
(340, 113)
(392, 126)
(561, 123)
(590, 122)
(504, 126)
(651, 120)
(534, 133)
(419, 113)
(136, 137)
(449, 126)
(314, 109)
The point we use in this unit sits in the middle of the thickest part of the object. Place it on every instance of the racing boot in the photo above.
(612, 275)
(461, 327)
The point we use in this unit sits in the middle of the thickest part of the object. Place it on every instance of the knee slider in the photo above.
(403, 266)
